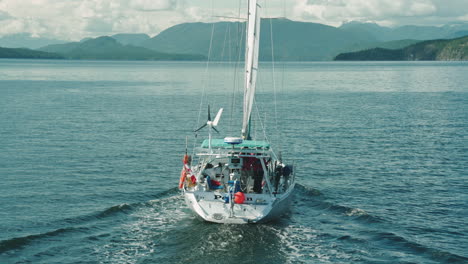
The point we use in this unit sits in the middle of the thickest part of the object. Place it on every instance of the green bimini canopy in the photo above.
(252, 144)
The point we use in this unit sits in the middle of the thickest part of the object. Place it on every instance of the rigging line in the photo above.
(275, 101)
(283, 70)
(229, 44)
(284, 8)
(229, 59)
(231, 17)
(265, 136)
(240, 35)
(222, 58)
(227, 71)
(273, 153)
(224, 43)
(257, 110)
(238, 89)
(205, 78)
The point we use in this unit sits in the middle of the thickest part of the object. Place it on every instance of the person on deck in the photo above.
(252, 167)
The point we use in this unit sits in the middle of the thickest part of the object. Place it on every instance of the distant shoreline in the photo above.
(431, 50)
(233, 62)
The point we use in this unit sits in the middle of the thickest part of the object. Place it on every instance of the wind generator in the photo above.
(211, 124)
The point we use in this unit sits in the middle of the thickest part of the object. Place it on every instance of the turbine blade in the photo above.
(215, 129)
(218, 116)
(209, 114)
(200, 128)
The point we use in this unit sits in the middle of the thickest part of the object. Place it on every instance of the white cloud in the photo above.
(153, 5)
(382, 11)
(11, 27)
(98, 25)
(75, 19)
(451, 8)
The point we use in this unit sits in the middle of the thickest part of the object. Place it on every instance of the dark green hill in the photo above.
(130, 39)
(395, 44)
(61, 48)
(107, 48)
(375, 54)
(293, 41)
(27, 54)
(442, 49)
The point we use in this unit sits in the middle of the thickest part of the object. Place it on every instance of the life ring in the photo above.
(183, 176)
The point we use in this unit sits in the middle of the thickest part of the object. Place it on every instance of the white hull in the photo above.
(207, 207)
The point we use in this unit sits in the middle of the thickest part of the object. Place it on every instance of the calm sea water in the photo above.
(90, 155)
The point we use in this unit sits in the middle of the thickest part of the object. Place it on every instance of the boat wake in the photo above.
(309, 197)
(18, 242)
(85, 223)
(158, 230)
(369, 233)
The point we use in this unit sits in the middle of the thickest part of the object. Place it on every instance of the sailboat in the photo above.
(238, 180)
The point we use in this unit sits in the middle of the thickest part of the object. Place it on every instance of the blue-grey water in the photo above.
(90, 156)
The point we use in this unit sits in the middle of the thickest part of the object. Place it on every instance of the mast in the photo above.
(251, 64)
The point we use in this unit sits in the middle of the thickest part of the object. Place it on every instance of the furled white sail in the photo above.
(251, 64)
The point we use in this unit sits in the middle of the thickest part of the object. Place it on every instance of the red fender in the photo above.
(239, 197)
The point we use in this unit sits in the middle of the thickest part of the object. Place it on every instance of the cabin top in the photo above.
(249, 144)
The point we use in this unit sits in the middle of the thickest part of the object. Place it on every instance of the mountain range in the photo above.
(442, 49)
(21, 53)
(292, 40)
(284, 39)
(108, 48)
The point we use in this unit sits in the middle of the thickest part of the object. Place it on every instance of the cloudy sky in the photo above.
(75, 19)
